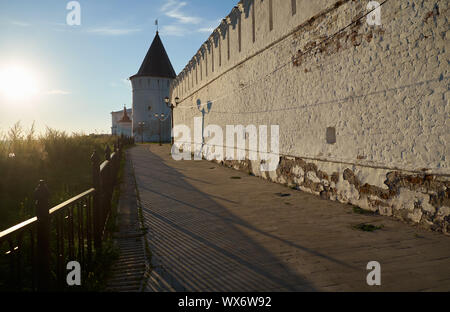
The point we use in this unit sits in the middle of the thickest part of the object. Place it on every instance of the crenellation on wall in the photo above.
(197, 69)
(293, 7)
(233, 32)
(382, 89)
(237, 30)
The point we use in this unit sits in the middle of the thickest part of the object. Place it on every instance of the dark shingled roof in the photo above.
(156, 62)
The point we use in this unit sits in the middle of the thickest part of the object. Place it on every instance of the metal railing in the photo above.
(34, 253)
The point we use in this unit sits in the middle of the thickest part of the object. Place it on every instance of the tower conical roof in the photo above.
(156, 62)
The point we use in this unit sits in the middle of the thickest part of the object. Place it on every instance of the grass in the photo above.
(283, 194)
(112, 224)
(103, 263)
(61, 159)
(99, 273)
(368, 227)
(361, 211)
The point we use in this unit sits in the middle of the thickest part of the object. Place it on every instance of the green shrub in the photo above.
(61, 159)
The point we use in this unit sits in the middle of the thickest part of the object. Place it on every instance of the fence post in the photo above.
(107, 191)
(97, 201)
(42, 196)
(107, 152)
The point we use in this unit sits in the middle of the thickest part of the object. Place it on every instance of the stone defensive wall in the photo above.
(362, 108)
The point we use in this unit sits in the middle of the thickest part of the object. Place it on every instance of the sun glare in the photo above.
(17, 82)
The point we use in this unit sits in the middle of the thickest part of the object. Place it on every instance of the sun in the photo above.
(18, 82)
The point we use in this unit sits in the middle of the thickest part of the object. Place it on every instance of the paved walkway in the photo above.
(210, 231)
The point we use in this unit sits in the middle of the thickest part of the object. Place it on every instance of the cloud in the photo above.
(57, 92)
(114, 31)
(206, 30)
(173, 30)
(184, 24)
(210, 27)
(173, 10)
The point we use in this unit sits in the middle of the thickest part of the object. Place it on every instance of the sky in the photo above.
(71, 77)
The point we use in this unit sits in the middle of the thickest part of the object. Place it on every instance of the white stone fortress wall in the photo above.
(314, 67)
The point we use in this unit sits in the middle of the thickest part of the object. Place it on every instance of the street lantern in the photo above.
(141, 126)
(161, 117)
(172, 106)
(114, 130)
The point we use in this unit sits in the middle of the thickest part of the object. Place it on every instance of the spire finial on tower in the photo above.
(125, 117)
(156, 63)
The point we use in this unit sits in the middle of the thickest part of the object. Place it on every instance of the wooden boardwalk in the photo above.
(209, 231)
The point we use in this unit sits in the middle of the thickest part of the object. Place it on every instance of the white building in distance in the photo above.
(122, 122)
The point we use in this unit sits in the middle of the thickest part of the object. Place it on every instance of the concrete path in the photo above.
(212, 228)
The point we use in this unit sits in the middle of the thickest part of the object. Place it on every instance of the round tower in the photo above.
(150, 86)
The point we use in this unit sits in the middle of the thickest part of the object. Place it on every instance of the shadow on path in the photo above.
(198, 244)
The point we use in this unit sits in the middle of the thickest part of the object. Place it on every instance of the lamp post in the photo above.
(114, 130)
(141, 130)
(172, 106)
(161, 117)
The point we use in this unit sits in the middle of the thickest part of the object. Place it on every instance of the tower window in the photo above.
(331, 135)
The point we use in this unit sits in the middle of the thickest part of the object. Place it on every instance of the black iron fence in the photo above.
(34, 253)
